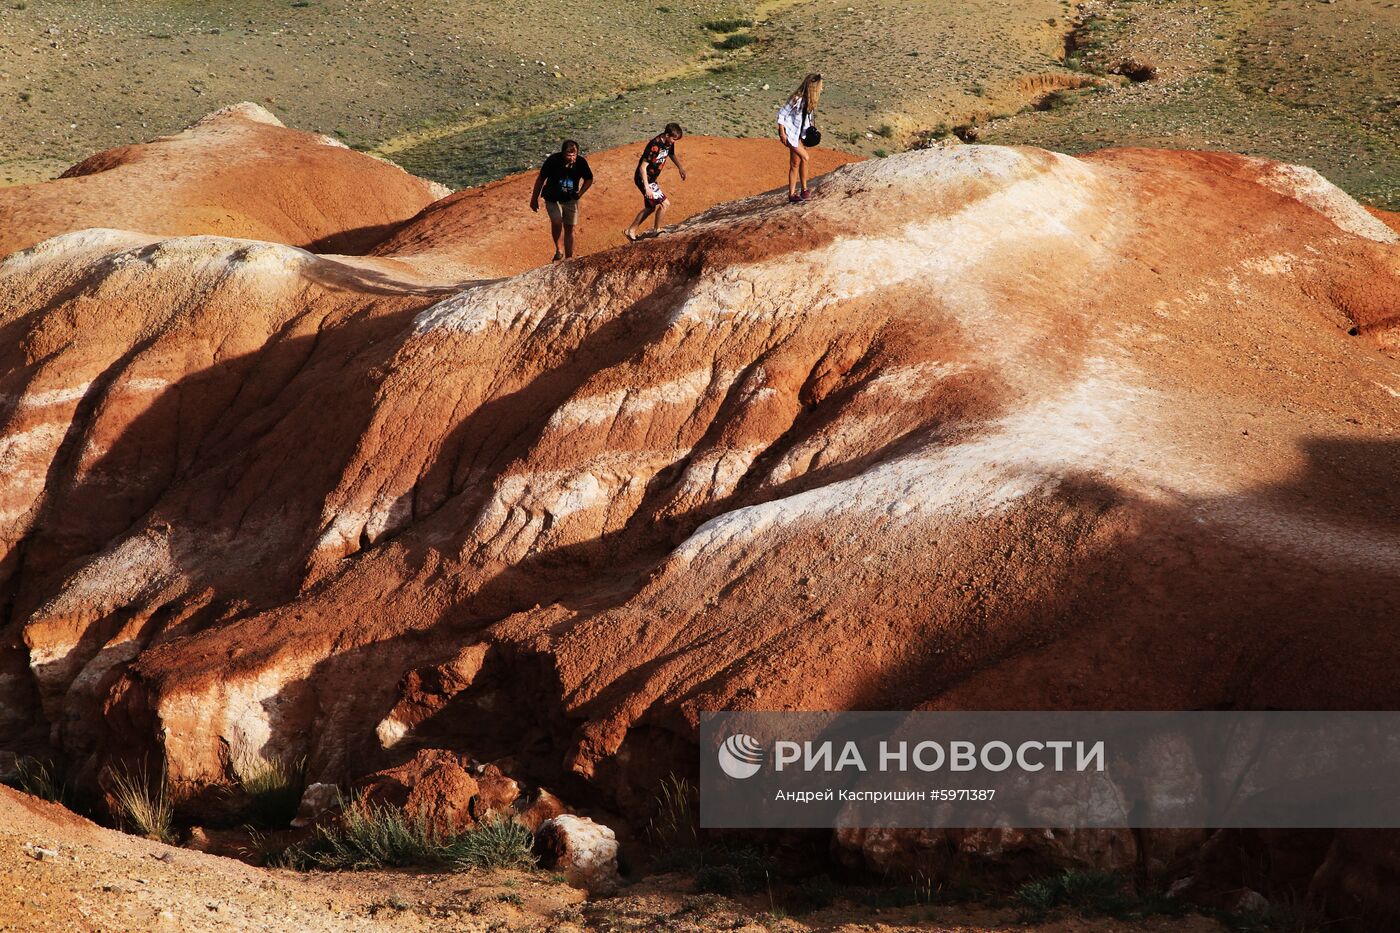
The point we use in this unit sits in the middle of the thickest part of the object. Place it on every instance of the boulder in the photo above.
(585, 852)
(448, 790)
(1011, 855)
(1359, 880)
(317, 801)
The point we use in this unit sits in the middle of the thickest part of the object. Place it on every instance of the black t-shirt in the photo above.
(655, 155)
(562, 181)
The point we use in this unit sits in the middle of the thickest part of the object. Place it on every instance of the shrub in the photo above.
(145, 809)
(1089, 892)
(737, 870)
(728, 25)
(736, 41)
(814, 894)
(885, 130)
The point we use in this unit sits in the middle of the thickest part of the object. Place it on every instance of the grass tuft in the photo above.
(273, 787)
(503, 844)
(728, 25)
(371, 835)
(1090, 893)
(38, 779)
(674, 830)
(144, 808)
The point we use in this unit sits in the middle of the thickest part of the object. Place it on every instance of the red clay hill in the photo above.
(238, 172)
(977, 427)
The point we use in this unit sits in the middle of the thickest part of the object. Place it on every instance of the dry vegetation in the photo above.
(1299, 80)
(60, 873)
(465, 91)
(76, 77)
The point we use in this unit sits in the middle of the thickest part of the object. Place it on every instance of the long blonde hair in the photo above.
(808, 92)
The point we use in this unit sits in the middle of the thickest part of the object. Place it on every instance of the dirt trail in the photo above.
(490, 231)
(61, 873)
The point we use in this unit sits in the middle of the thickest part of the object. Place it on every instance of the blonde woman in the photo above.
(796, 131)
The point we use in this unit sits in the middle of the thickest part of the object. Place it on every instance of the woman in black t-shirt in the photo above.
(563, 179)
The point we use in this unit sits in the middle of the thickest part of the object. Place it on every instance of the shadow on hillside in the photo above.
(358, 241)
(1090, 598)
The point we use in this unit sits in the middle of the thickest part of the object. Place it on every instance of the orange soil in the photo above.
(236, 173)
(491, 230)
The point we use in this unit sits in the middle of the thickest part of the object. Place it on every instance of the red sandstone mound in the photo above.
(238, 172)
(980, 427)
(490, 230)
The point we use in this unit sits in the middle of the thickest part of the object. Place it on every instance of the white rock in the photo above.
(584, 851)
(39, 853)
(316, 801)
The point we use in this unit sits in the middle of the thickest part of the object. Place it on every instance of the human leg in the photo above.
(570, 221)
(631, 231)
(556, 223)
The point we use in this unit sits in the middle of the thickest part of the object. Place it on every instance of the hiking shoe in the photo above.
(794, 198)
(805, 195)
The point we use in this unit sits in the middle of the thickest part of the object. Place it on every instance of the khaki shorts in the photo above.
(566, 211)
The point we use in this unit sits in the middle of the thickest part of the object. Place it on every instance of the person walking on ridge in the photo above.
(649, 167)
(563, 179)
(796, 131)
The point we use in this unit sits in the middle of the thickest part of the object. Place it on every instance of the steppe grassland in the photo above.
(77, 76)
(464, 90)
(1303, 81)
(891, 67)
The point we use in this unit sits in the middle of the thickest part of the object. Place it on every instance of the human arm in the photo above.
(587, 175)
(535, 194)
(680, 168)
